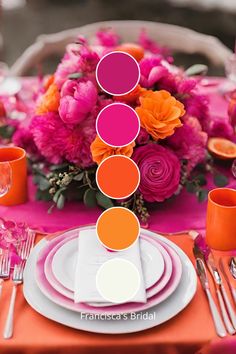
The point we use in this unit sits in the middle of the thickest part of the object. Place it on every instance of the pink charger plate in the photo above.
(55, 283)
(67, 303)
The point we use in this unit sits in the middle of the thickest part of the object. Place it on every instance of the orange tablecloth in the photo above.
(189, 331)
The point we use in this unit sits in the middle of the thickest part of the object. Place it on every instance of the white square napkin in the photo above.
(91, 255)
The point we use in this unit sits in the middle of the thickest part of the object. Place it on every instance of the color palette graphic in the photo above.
(117, 73)
(118, 176)
(118, 124)
(117, 228)
(118, 280)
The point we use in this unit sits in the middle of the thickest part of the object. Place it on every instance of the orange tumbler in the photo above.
(16, 158)
(221, 219)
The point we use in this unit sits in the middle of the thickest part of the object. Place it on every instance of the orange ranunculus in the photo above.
(100, 150)
(159, 113)
(132, 96)
(50, 100)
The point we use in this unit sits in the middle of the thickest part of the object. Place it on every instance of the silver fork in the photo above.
(5, 263)
(17, 279)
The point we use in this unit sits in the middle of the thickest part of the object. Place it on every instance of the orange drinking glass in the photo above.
(16, 158)
(221, 219)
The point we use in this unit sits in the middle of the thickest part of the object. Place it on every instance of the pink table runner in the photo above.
(181, 213)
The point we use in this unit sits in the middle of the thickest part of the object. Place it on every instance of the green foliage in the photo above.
(221, 180)
(6, 131)
(103, 200)
(75, 76)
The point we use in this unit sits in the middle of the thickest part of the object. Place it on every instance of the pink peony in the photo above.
(45, 130)
(70, 64)
(78, 99)
(220, 128)
(151, 71)
(77, 141)
(23, 138)
(107, 38)
(186, 85)
(151, 46)
(232, 110)
(78, 59)
(88, 59)
(196, 105)
(159, 171)
(189, 142)
(58, 142)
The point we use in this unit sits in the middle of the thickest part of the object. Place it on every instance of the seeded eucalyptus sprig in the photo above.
(66, 182)
(196, 182)
(136, 203)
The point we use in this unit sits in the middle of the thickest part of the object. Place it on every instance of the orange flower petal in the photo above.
(159, 113)
(100, 150)
(50, 100)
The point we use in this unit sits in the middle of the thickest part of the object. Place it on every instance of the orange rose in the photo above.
(132, 96)
(50, 100)
(100, 150)
(133, 49)
(159, 113)
(48, 82)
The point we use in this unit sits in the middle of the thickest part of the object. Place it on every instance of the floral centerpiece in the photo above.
(170, 150)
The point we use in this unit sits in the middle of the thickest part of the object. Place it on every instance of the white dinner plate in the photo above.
(64, 263)
(147, 319)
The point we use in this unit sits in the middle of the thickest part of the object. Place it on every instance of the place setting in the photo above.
(51, 288)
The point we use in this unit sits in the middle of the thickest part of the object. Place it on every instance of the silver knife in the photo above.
(219, 326)
(223, 271)
(222, 296)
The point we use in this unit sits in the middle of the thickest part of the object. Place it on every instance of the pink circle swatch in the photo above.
(117, 73)
(118, 124)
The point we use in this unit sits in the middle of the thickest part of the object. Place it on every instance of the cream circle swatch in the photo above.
(118, 280)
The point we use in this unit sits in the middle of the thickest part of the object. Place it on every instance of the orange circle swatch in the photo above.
(117, 228)
(118, 176)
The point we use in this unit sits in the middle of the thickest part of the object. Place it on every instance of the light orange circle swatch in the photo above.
(117, 228)
(118, 176)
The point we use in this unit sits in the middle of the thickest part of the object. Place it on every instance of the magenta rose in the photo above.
(159, 172)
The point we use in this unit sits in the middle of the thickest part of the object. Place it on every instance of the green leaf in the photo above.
(201, 179)
(61, 201)
(60, 167)
(6, 131)
(57, 194)
(43, 183)
(196, 69)
(75, 76)
(220, 180)
(79, 177)
(104, 201)
(202, 195)
(43, 195)
(36, 179)
(191, 187)
(90, 198)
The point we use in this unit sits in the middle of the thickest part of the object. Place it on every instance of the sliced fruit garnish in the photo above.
(222, 148)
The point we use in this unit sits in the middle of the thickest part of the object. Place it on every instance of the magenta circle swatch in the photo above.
(118, 73)
(118, 124)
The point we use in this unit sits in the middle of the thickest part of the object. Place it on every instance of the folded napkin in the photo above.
(91, 255)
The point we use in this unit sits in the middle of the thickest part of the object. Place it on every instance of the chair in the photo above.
(179, 39)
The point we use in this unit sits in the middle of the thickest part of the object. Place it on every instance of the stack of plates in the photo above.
(170, 281)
